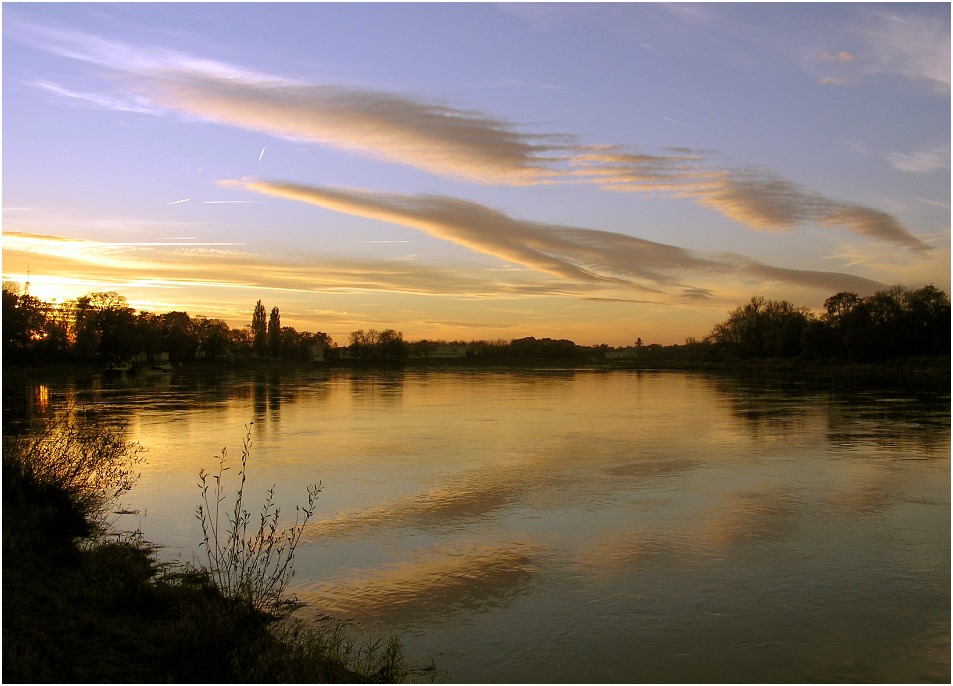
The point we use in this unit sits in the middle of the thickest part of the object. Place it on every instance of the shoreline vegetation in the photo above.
(83, 603)
(896, 329)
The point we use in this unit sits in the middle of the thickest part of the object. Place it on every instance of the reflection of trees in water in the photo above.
(30, 402)
(891, 422)
(181, 394)
(887, 416)
(767, 406)
(377, 388)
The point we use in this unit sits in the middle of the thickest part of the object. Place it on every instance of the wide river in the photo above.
(578, 526)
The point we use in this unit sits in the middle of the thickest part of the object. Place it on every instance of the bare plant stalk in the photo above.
(253, 565)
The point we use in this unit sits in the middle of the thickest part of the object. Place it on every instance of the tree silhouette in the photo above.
(274, 334)
(763, 328)
(259, 331)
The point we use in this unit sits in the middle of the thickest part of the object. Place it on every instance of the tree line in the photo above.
(101, 327)
(896, 322)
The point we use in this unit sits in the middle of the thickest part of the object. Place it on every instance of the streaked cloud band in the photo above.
(576, 255)
(449, 141)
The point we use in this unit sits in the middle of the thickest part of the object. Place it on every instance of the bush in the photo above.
(65, 478)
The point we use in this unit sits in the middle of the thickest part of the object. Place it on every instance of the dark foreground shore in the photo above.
(83, 605)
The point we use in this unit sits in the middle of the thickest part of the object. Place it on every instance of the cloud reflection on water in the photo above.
(435, 584)
(451, 505)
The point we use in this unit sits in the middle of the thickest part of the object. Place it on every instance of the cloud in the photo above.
(183, 265)
(431, 136)
(922, 161)
(833, 81)
(450, 141)
(843, 56)
(768, 202)
(575, 255)
(914, 46)
(88, 100)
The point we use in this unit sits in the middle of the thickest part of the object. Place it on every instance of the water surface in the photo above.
(581, 526)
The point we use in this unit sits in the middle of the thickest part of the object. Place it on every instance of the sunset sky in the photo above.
(598, 172)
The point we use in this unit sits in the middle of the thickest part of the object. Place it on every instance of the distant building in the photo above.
(316, 352)
(448, 351)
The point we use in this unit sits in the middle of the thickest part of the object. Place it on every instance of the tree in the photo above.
(58, 327)
(927, 321)
(363, 344)
(838, 306)
(178, 336)
(105, 326)
(763, 328)
(149, 334)
(259, 331)
(86, 338)
(213, 338)
(241, 342)
(274, 334)
(391, 345)
(24, 322)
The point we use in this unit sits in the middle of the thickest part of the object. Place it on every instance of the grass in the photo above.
(82, 603)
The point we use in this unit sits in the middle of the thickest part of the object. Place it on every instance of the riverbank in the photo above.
(935, 367)
(83, 605)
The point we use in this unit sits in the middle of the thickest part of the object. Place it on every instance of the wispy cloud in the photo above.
(87, 100)
(923, 161)
(449, 141)
(833, 81)
(212, 265)
(575, 255)
(843, 45)
(914, 46)
(842, 56)
(757, 198)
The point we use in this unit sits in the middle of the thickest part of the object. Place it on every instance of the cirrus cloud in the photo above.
(576, 255)
(446, 140)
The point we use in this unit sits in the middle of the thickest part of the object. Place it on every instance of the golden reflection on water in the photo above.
(434, 583)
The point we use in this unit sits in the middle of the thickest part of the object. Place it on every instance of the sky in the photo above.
(597, 172)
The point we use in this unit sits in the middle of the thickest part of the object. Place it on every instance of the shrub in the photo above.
(68, 475)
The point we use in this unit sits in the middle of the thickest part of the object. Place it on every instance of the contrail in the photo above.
(261, 155)
(179, 201)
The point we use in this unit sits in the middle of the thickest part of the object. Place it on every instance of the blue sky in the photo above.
(599, 172)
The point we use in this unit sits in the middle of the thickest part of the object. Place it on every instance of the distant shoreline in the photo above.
(934, 368)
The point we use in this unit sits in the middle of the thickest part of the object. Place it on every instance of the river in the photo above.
(578, 525)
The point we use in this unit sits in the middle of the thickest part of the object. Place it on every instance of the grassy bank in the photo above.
(82, 604)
